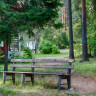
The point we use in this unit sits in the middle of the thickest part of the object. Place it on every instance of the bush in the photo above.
(15, 55)
(26, 53)
(78, 49)
(55, 49)
(47, 47)
(1, 56)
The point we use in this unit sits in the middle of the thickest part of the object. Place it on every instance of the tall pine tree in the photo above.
(25, 15)
(71, 49)
(84, 33)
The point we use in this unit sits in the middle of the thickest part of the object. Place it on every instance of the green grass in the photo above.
(5, 92)
(42, 87)
(87, 68)
(39, 55)
(73, 94)
(90, 94)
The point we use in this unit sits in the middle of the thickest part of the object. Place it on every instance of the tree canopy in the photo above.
(26, 15)
(22, 15)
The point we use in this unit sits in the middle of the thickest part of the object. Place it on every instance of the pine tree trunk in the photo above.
(71, 51)
(85, 56)
(6, 51)
(6, 56)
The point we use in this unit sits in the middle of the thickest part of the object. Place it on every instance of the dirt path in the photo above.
(0, 94)
(83, 84)
(80, 83)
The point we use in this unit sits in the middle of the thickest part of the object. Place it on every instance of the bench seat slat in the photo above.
(43, 66)
(43, 73)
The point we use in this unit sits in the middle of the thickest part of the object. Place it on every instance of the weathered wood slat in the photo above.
(43, 66)
(44, 60)
(43, 73)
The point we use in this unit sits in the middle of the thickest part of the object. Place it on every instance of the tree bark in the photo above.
(85, 56)
(6, 51)
(6, 55)
(71, 51)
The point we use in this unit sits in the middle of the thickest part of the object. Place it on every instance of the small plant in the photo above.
(55, 49)
(26, 53)
(73, 94)
(47, 47)
(1, 55)
(7, 92)
(78, 49)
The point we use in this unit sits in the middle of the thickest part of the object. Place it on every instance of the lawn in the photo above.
(63, 53)
(87, 68)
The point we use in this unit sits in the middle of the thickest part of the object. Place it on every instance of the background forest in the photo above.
(91, 25)
(60, 37)
(53, 32)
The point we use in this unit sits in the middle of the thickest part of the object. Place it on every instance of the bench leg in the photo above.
(23, 78)
(13, 78)
(4, 77)
(59, 83)
(32, 78)
(69, 82)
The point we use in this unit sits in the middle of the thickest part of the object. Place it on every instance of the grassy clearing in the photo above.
(62, 53)
(87, 68)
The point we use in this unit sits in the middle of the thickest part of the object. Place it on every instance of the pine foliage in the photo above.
(26, 15)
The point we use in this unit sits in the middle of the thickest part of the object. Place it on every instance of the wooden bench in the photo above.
(59, 74)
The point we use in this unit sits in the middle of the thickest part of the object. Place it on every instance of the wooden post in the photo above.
(59, 83)
(13, 78)
(23, 78)
(13, 69)
(32, 78)
(32, 70)
(69, 82)
(69, 78)
(4, 77)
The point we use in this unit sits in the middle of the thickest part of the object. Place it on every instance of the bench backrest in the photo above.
(69, 66)
(42, 66)
(43, 60)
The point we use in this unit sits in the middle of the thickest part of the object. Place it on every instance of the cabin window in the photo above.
(1, 44)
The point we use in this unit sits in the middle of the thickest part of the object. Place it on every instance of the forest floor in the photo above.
(81, 83)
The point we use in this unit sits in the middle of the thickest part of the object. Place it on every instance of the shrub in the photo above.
(55, 49)
(26, 53)
(78, 50)
(47, 47)
(1, 56)
(15, 55)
